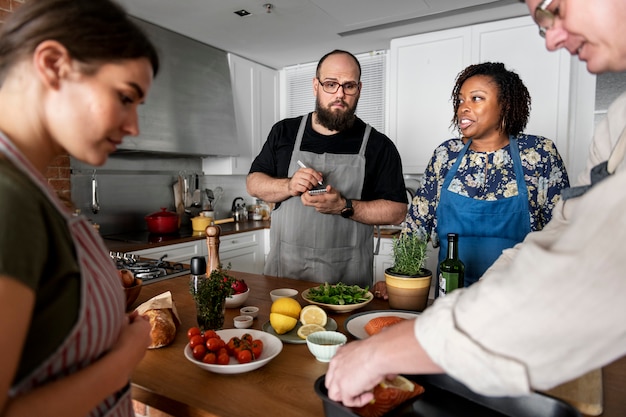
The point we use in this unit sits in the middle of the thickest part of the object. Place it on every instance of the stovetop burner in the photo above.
(148, 270)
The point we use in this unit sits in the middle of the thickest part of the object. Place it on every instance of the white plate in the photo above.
(292, 335)
(272, 346)
(338, 308)
(355, 324)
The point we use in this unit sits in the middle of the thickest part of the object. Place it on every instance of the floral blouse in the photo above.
(490, 176)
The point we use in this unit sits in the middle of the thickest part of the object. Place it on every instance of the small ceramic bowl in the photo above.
(243, 322)
(324, 345)
(237, 300)
(249, 311)
(283, 292)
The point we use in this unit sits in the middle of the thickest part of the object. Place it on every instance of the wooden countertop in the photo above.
(166, 380)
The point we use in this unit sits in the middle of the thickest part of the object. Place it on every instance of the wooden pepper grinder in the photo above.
(213, 244)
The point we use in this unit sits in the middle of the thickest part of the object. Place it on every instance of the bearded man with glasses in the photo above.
(332, 178)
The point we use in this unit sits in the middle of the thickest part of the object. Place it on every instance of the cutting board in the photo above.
(584, 393)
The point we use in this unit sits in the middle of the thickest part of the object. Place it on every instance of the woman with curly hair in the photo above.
(493, 184)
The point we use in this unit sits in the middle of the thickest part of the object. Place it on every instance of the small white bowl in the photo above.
(237, 300)
(324, 345)
(243, 322)
(249, 311)
(283, 292)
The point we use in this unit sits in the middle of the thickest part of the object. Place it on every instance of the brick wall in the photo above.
(58, 173)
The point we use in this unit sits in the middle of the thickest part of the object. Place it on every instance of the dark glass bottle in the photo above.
(451, 269)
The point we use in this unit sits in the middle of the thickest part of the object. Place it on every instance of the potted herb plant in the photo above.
(210, 293)
(408, 281)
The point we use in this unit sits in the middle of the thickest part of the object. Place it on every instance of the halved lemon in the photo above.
(307, 329)
(313, 314)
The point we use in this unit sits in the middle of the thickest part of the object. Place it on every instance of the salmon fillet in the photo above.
(377, 324)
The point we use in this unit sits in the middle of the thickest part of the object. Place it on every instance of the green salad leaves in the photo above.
(338, 294)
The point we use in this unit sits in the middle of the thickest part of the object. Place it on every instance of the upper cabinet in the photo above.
(189, 109)
(255, 91)
(423, 71)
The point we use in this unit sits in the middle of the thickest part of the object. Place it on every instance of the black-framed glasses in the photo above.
(544, 17)
(350, 88)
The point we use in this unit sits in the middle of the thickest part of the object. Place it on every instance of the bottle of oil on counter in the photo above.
(451, 269)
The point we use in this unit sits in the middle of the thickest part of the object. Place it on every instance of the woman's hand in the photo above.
(133, 342)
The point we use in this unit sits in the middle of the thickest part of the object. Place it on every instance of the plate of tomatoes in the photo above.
(231, 351)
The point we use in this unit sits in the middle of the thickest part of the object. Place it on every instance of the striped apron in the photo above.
(101, 308)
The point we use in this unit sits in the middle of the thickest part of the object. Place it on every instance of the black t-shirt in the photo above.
(383, 166)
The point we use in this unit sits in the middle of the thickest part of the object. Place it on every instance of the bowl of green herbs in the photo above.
(340, 297)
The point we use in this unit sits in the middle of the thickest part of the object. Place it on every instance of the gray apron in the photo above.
(102, 306)
(320, 247)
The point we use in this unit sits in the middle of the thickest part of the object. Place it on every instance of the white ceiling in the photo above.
(301, 31)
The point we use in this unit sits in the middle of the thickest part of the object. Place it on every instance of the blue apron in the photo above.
(485, 228)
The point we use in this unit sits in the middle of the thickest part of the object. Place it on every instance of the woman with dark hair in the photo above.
(493, 184)
(72, 74)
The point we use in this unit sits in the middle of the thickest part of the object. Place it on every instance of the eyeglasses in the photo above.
(331, 87)
(544, 17)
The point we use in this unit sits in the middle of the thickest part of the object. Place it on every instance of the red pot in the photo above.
(162, 222)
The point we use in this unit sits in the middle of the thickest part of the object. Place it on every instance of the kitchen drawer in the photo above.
(240, 240)
(180, 252)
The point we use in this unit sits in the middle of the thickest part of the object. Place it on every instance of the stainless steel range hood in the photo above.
(189, 110)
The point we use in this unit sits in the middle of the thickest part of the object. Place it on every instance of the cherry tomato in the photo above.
(223, 359)
(222, 351)
(257, 348)
(193, 331)
(247, 337)
(196, 340)
(199, 351)
(213, 344)
(244, 356)
(210, 358)
(209, 334)
(233, 345)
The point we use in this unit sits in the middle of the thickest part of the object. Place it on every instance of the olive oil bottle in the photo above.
(451, 269)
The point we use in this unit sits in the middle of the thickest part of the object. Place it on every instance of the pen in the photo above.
(304, 166)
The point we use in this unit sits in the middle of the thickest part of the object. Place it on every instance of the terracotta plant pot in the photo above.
(408, 292)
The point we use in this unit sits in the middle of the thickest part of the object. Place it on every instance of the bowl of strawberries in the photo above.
(240, 295)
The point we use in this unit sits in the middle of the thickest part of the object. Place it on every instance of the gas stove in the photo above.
(148, 270)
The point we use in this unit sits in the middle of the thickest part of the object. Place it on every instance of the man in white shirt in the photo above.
(551, 308)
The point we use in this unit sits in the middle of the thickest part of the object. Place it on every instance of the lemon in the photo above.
(307, 329)
(282, 323)
(313, 314)
(286, 306)
(398, 382)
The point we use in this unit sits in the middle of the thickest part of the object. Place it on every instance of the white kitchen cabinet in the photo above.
(255, 90)
(244, 251)
(180, 252)
(424, 67)
(384, 259)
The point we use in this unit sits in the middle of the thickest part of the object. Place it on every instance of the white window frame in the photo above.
(297, 89)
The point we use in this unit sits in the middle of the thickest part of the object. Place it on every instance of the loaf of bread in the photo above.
(389, 394)
(163, 325)
(377, 324)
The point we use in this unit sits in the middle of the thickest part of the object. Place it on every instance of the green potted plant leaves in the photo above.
(209, 293)
(408, 281)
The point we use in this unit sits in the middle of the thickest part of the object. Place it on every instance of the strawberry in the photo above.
(240, 286)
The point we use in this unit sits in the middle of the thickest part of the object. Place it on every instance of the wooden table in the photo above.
(167, 381)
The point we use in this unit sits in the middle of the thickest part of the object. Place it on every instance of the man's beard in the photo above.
(335, 120)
